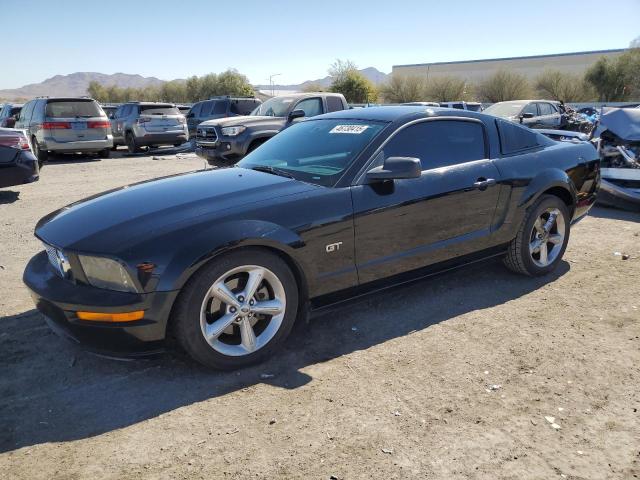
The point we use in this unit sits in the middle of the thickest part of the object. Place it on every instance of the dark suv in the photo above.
(9, 114)
(219, 107)
(227, 140)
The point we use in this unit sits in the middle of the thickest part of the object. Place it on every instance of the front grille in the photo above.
(206, 134)
(57, 260)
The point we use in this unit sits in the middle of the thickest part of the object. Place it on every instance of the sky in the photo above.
(299, 40)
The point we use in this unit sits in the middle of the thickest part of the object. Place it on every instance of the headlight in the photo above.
(232, 131)
(106, 273)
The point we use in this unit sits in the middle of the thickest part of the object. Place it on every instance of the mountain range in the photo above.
(76, 84)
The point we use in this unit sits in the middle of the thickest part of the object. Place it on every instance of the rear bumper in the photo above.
(53, 145)
(618, 196)
(59, 300)
(23, 170)
(163, 138)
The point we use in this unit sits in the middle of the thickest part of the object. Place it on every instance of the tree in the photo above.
(355, 87)
(341, 68)
(233, 83)
(97, 91)
(616, 79)
(564, 87)
(403, 88)
(502, 86)
(314, 87)
(348, 81)
(446, 89)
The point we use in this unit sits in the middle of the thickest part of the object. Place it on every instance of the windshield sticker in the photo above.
(349, 129)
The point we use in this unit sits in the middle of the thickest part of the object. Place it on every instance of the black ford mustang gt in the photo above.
(226, 260)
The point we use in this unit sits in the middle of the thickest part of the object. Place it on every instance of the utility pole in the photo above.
(271, 82)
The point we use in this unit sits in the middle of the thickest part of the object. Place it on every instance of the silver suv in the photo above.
(65, 125)
(148, 124)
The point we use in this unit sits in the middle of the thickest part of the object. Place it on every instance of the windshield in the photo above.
(317, 151)
(72, 108)
(504, 109)
(274, 107)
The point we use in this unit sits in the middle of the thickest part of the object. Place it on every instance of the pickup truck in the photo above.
(224, 141)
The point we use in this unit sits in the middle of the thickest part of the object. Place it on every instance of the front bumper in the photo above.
(86, 146)
(220, 150)
(59, 300)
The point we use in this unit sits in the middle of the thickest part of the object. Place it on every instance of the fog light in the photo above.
(111, 317)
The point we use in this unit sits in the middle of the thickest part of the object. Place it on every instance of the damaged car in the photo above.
(17, 164)
(617, 138)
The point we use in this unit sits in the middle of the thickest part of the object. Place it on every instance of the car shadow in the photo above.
(51, 391)
(614, 214)
(8, 196)
(66, 159)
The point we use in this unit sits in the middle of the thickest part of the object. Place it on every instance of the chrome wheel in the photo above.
(547, 237)
(243, 310)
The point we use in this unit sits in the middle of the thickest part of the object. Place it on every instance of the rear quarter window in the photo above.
(334, 104)
(514, 138)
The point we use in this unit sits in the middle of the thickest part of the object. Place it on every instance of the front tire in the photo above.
(542, 238)
(106, 153)
(237, 310)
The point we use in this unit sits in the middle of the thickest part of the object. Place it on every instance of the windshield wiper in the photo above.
(272, 170)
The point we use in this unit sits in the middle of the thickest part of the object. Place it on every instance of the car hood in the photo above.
(245, 120)
(107, 222)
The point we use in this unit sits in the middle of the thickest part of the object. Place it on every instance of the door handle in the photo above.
(483, 183)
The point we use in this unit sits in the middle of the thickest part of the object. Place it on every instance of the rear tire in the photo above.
(542, 238)
(131, 143)
(224, 335)
(106, 153)
(41, 155)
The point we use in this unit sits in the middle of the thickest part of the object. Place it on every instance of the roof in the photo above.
(384, 114)
(530, 57)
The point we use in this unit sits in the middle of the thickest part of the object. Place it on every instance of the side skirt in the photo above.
(320, 305)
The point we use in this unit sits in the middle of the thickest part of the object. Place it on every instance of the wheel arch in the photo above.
(551, 182)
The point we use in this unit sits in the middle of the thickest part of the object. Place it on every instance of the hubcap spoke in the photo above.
(555, 239)
(543, 253)
(222, 293)
(214, 330)
(255, 279)
(268, 307)
(538, 226)
(247, 335)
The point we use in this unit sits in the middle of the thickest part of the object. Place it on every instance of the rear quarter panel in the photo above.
(573, 167)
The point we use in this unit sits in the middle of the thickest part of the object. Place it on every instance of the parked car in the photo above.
(66, 125)
(17, 164)
(109, 110)
(148, 124)
(184, 109)
(227, 140)
(531, 113)
(9, 114)
(422, 104)
(461, 105)
(219, 107)
(336, 205)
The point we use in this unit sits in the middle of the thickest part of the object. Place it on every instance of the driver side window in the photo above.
(531, 108)
(310, 106)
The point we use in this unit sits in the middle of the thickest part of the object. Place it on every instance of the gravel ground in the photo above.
(451, 377)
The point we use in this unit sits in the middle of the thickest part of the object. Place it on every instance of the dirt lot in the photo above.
(396, 386)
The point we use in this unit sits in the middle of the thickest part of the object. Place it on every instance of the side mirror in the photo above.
(190, 115)
(296, 114)
(527, 115)
(396, 168)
